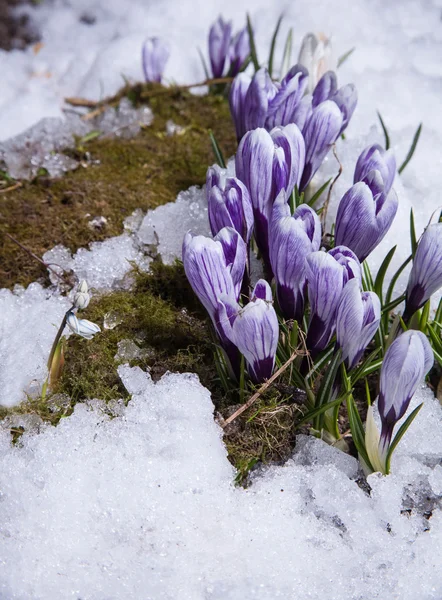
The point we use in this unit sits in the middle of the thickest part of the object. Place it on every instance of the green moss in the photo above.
(118, 177)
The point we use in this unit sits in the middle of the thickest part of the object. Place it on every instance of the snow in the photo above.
(138, 501)
(142, 505)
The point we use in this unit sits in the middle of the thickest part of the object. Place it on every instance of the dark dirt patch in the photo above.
(16, 29)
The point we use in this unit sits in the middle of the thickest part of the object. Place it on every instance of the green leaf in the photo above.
(90, 136)
(203, 61)
(379, 281)
(384, 129)
(325, 391)
(424, 317)
(435, 339)
(438, 315)
(357, 430)
(412, 149)
(343, 58)
(367, 279)
(287, 54)
(252, 44)
(412, 234)
(395, 278)
(318, 193)
(360, 372)
(387, 307)
(320, 362)
(316, 412)
(273, 44)
(217, 150)
(403, 428)
(242, 384)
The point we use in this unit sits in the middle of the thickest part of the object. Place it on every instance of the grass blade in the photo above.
(412, 233)
(203, 61)
(316, 412)
(379, 281)
(318, 193)
(273, 44)
(217, 150)
(438, 316)
(403, 428)
(367, 279)
(394, 280)
(361, 371)
(287, 54)
(412, 149)
(253, 54)
(384, 129)
(343, 58)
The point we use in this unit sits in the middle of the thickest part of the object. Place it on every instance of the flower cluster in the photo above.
(227, 52)
(324, 292)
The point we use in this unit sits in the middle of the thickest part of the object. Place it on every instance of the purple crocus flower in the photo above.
(239, 51)
(406, 362)
(266, 163)
(255, 331)
(155, 54)
(327, 274)
(229, 205)
(357, 320)
(219, 43)
(345, 97)
(320, 132)
(426, 274)
(375, 158)
(365, 214)
(235, 254)
(292, 239)
(260, 102)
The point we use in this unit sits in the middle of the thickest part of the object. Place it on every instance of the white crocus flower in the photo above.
(316, 55)
(82, 298)
(82, 327)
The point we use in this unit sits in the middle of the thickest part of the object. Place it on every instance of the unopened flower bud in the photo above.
(82, 327)
(81, 297)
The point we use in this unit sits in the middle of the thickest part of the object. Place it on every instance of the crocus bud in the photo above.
(235, 254)
(426, 274)
(325, 88)
(283, 107)
(239, 51)
(219, 43)
(155, 54)
(320, 133)
(405, 364)
(82, 327)
(261, 91)
(364, 216)
(345, 99)
(375, 158)
(237, 98)
(292, 239)
(327, 273)
(206, 269)
(266, 163)
(229, 205)
(255, 332)
(317, 56)
(82, 298)
(215, 176)
(357, 320)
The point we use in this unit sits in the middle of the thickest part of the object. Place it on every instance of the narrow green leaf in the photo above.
(438, 315)
(412, 149)
(435, 339)
(325, 392)
(367, 278)
(203, 61)
(412, 234)
(252, 44)
(359, 372)
(379, 281)
(387, 307)
(242, 384)
(357, 430)
(367, 392)
(403, 428)
(90, 136)
(217, 150)
(318, 193)
(424, 317)
(395, 278)
(287, 54)
(343, 58)
(316, 412)
(273, 44)
(384, 129)
(320, 362)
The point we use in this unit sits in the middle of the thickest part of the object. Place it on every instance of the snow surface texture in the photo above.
(143, 506)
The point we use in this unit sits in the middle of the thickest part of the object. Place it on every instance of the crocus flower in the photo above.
(317, 56)
(375, 158)
(82, 327)
(365, 215)
(357, 320)
(266, 163)
(292, 239)
(155, 54)
(320, 132)
(327, 274)
(255, 332)
(235, 254)
(239, 51)
(345, 97)
(426, 274)
(406, 362)
(81, 297)
(219, 44)
(260, 102)
(229, 205)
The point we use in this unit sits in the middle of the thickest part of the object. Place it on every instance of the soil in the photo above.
(16, 29)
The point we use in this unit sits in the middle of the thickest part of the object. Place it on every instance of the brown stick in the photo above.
(11, 187)
(37, 258)
(261, 390)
